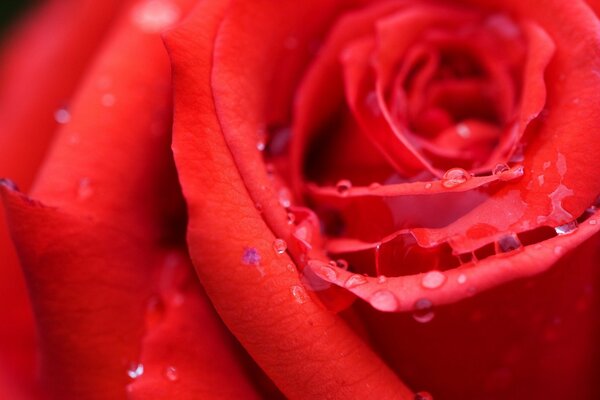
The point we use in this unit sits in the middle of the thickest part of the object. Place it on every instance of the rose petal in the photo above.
(262, 302)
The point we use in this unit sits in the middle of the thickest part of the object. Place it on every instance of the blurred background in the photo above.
(11, 9)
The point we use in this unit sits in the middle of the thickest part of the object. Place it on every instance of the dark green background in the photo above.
(10, 10)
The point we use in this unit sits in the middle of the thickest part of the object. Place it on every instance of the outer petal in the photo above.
(38, 73)
(96, 258)
(302, 347)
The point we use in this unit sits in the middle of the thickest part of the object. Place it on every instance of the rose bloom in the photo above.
(338, 199)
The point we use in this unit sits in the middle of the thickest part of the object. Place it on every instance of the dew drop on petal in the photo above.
(513, 173)
(285, 197)
(508, 243)
(433, 279)
(374, 185)
(280, 246)
(384, 300)
(171, 373)
(341, 263)
(84, 189)
(423, 396)
(355, 280)
(428, 185)
(261, 146)
(500, 168)
(9, 184)
(593, 222)
(154, 16)
(291, 218)
(423, 312)
(381, 279)
(250, 256)
(135, 370)
(567, 228)
(461, 279)
(299, 294)
(454, 177)
(326, 273)
(62, 116)
(343, 186)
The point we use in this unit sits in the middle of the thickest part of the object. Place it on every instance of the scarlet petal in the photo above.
(260, 299)
(38, 73)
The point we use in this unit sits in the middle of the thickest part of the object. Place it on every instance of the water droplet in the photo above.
(355, 280)
(428, 185)
(291, 218)
(500, 168)
(299, 294)
(343, 186)
(251, 256)
(171, 373)
(374, 185)
(433, 279)
(567, 228)
(384, 300)
(280, 246)
(558, 250)
(108, 100)
(135, 370)
(62, 116)
(155, 15)
(423, 396)
(84, 189)
(461, 279)
(341, 263)
(508, 243)
(327, 273)
(285, 197)
(593, 222)
(261, 146)
(454, 177)
(513, 173)
(463, 131)
(423, 311)
(381, 279)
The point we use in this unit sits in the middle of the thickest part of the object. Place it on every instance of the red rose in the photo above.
(378, 195)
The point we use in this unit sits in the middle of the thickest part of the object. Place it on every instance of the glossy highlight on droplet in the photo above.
(299, 294)
(343, 186)
(454, 177)
(135, 370)
(567, 228)
(171, 373)
(508, 243)
(280, 246)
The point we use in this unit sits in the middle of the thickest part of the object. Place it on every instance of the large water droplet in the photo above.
(355, 280)
(384, 300)
(299, 294)
(285, 197)
(508, 243)
(326, 273)
(463, 130)
(454, 177)
(62, 116)
(423, 311)
(280, 246)
(171, 373)
(343, 186)
(155, 15)
(135, 370)
(433, 279)
(251, 256)
(85, 189)
(567, 228)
